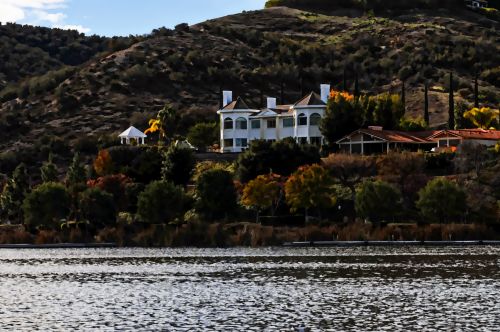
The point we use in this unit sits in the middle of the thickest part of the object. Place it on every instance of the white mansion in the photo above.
(240, 125)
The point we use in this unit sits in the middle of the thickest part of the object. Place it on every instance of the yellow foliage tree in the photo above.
(481, 117)
(103, 164)
(155, 126)
(263, 193)
(310, 187)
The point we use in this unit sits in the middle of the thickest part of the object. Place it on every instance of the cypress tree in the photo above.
(14, 193)
(49, 171)
(451, 106)
(476, 92)
(344, 81)
(282, 92)
(426, 103)
(356, 86)
(76, 172)
(403, 97)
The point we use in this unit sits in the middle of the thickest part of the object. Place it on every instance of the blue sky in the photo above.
(119, 17)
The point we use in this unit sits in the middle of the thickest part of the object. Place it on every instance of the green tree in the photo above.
(342, 116)
(46, 205)
(451, 104)
(49, 171)
(161, 202)
(14, 193)
(97, 206)
(442, 200)
(76, 172)
(378, 200)
(178, 165)
(281, 157)
(310, 187)
(203, 135)
(216, 196)
(426, 104)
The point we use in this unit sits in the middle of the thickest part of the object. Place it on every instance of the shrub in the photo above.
(281, 157)
(203, 135)
(161, 202)
(378, 201)
(215, 194)
(47, 205)
(178, 165)
(441, 200)
(97, 206)
(115, 185)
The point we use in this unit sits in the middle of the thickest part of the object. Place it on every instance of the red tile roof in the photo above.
(429, 136)
(400, 136)
(480, 134)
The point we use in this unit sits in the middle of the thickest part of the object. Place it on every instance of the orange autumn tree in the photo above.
(263, 193)
(310, 187)
(103, 164)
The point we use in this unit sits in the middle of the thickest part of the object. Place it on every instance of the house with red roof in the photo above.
(375, 140)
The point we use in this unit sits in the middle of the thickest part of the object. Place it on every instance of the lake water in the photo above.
(268, 289)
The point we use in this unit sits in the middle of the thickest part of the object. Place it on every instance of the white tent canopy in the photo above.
(132, 133)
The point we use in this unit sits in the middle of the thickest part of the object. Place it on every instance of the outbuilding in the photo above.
(132, 134)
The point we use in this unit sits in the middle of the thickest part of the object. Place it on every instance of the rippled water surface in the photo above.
(270, 289)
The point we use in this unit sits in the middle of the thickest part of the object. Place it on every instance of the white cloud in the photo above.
(9, 13)
(44, 16)
(77, 27)
(37, 12)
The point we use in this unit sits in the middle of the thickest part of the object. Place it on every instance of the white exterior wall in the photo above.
(277, 133)
(308, 131)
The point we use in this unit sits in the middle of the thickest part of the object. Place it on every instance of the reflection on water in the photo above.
(269, 289)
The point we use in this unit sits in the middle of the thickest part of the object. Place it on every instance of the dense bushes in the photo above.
(161, 202)
(281, 157)
(46, 205)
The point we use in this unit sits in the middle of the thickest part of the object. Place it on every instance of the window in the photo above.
(255, 124)
(241, 123)
(454, 142)
(287, 123)
(228, 123)
(241, 142)
(228, 142)
(315, 119)
(302, 119)
(271, 123)
(302, 140)
(316, 141)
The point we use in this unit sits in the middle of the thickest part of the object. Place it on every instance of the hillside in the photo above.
(254, 54)
(30, 51)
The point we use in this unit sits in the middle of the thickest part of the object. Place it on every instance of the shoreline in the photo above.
(298, 244)
(389, 243)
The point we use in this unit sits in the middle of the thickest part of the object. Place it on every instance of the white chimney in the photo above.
(271, 103)
(325, 92)
(227, 97)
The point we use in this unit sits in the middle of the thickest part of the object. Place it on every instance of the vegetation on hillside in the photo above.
(277, 52)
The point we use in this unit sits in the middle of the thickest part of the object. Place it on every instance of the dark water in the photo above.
(270, 289)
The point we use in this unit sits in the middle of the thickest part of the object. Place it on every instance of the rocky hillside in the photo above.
(255, 54)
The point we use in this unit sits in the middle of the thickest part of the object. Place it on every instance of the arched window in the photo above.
(302, 119)
(228, 123)
(241, 123)
(315, 119)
